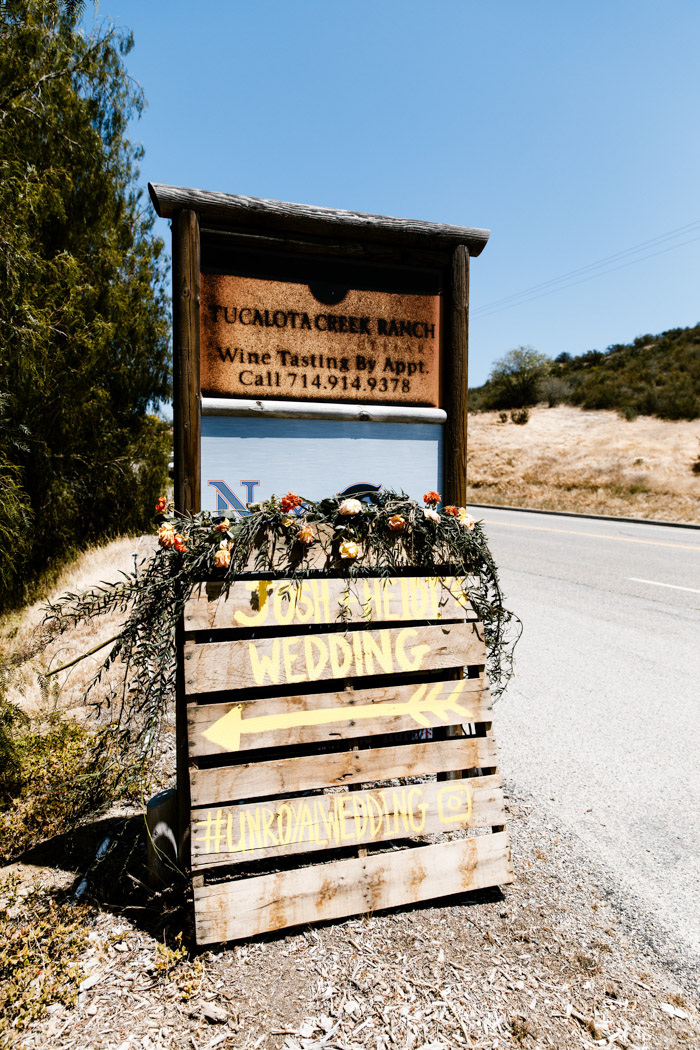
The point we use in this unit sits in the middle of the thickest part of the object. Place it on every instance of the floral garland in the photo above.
(359, 529)
(383, 534)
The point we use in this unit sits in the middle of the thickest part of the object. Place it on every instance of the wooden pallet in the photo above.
(341, 750)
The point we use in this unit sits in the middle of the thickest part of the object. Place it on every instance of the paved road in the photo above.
(602, 719)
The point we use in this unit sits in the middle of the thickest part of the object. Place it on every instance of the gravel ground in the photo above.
(552, 961)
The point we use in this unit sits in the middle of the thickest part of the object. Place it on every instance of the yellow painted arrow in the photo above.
(227, 730)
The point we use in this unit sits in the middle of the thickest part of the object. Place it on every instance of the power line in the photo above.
(584, 279)
(520, 298)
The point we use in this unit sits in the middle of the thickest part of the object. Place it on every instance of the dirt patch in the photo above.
(591, 462)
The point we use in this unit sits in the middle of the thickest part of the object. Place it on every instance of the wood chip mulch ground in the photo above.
(548, 962)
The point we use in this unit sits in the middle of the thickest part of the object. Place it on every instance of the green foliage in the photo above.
(514, 381)
(41, 940)
(654, 375)
(554, 390)
(51, 776)
(83, 308)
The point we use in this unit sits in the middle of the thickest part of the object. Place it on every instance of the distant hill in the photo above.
(654, 375)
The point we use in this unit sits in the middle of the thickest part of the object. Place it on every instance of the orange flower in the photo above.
(223, 526)
(397, 523)
(432, 498)
(453, 511)
(290, 501)
(179, 544)
(222, 558)
(349, 549)
(161, 504)
(166, 535)
(305, 535)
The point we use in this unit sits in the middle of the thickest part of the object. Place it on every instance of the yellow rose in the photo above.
(223, 526)
(397, 523)
(350, 506)
(166, 535)
(349, 549)
(222, 558)
(305, 535)
(466, 519)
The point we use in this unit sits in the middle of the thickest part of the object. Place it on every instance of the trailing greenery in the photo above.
(83, 308)
(654, 375)
(293, 537)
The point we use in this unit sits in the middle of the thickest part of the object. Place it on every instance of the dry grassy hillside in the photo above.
(18, 636)
(566, 458)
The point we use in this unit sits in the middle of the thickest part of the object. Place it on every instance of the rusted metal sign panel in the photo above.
(278, 339)
(344, 764)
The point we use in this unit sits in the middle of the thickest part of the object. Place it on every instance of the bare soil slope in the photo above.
(566, 458)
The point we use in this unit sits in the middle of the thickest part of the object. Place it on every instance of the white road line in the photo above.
(673, 586)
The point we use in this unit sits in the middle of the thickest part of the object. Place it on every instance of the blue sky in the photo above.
(570, 130)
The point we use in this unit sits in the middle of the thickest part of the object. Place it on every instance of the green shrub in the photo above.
(554, 390)
(51, 776)
(41, 940)
(654, 375)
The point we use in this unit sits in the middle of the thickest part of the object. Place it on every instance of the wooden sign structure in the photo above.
(340, 760)
(298, 313)
(335, 753)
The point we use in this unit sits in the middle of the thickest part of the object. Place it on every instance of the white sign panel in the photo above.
(247, 460)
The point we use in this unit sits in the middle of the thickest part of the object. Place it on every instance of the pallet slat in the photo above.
(216, 729)
(292, 659)
(283, 603)
(280, 827)
(246, 907)
(258, 779)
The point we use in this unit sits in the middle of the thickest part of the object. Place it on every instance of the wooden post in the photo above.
(456, 382)
(186, 399)
(187, 433)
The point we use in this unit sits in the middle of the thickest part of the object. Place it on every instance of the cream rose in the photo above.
(350, 506)
(466, 519)
(432, 514)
